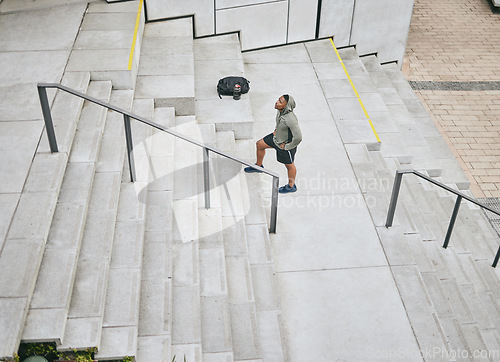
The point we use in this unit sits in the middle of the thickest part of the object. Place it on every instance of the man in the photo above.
(284, 140)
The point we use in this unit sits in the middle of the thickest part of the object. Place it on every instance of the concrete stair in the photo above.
(450, 295)
(120, 325)
(24, 245)
(49, 306)
(103, 44)
(216, 58)
(155, 313)
(145, 270)
(241, 316)
(92, 262)
(167, 72)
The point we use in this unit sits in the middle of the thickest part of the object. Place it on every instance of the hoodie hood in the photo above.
(290, 105)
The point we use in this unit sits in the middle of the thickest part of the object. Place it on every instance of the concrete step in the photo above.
(84, 316)
(255, 315)
(121, 311)
(216, 334)
(423, 141)
(102, 46)
(448, 293)
(155, 314)
(211, 65)
(344, 105)
(165, 75)
(49, 306)
(186, 301)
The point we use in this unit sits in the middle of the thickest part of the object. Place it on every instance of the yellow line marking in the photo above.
(355, 91)
(137, 21)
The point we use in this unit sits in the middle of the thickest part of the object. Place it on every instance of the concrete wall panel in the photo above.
(261, 25)
(302, 20)
(203, 11)
(373, 26)
(225, 4)
(336, 19)
(382, 27)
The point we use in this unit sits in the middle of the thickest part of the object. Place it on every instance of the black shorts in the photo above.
(283, 156)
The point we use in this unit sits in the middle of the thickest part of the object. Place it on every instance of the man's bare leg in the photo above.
(292, 172)
(261, 151)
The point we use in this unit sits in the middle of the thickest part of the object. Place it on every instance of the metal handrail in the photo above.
(42, 93)
(460, 196)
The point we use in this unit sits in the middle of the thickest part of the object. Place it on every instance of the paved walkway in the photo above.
(452, 45)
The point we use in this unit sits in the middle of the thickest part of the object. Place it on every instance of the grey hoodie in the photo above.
(287, 127)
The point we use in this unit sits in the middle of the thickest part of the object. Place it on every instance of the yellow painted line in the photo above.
(132, 49)
(355, 91)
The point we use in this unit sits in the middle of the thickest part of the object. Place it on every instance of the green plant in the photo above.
(79, 356)
(40, 349)
(128, 359)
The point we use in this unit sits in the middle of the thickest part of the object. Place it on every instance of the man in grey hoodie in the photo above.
(284, 140)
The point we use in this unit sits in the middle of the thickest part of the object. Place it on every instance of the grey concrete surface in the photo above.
(345, 248)
(214, 285)
(37, 53)
(163, 76)
(336, 309)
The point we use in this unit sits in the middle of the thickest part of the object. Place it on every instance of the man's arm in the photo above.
(296, 135)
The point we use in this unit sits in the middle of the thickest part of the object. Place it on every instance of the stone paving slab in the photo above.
(43, 325)
(56, 274)
(186, 324)
(153, 348)
(343, 215)
(122, 301)
(212, 273)
(44, 66)
(29, 221)
(110, 21)
(86, 331)
(23, 96)
(18, 142)
(127, 251)
(98, 39)
(246, 340)
(8, 204)
(215, 324)
(12, 311)
(13, 6)
(42, 23)
(19, 255)
(156, 318)
(117, 342)
(165, 86)
(67, 226)
(354, 306)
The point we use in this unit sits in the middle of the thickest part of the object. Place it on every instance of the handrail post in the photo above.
(47, 117)
(394, 198)
(495, 262)
(274, 205)
(452, 221)
(130, 147)
(206, 176)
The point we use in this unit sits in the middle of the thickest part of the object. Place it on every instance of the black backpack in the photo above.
(226, 85)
